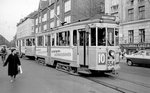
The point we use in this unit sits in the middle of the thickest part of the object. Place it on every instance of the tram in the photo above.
(26, 46)
(85, 46)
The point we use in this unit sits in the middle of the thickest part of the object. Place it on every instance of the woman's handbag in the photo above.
(20, 69)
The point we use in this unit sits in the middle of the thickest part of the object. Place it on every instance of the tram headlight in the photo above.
(112, 53)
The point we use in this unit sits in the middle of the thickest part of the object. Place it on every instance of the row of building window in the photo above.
(141, 13)
(52, 24)
(67, 7)
(132, 1)
(141, 36)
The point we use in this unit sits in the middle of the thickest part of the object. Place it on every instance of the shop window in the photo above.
(131, 36)
(142, 35)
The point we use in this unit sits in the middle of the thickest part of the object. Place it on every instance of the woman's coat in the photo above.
(13, 62)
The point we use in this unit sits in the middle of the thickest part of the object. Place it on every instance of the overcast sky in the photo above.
(11, 11)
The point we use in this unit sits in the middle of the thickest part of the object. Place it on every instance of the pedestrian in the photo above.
(4, 53)
(13, 62)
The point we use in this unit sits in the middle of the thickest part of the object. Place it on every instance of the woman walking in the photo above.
(13, 63)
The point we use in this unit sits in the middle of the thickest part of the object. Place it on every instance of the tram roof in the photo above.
(95, 19)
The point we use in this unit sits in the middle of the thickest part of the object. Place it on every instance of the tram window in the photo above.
(53, 39)
(63, 38)
(33, 41)
(40, 40)
(28, 42)
(22, 42)
(101, 36)
(93, 36)
(17, 43)
(75, 37)
(57, 43)
(46, 40)
(148, 53)
(110, 33)
(82, 36)
(116, 36)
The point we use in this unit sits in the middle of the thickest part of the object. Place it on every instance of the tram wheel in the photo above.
(129, 63)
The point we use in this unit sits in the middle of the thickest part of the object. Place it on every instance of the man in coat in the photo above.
(13, 63)
(4, 53)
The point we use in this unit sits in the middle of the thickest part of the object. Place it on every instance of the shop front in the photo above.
(132, 48)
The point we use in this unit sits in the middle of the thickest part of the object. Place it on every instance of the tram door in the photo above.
(83, 47)
(48, 49)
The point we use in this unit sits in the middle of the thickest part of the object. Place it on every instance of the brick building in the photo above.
(53, 13)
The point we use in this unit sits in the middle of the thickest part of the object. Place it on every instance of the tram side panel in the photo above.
(92, 58)
(41, 52)
(62, 54)
(30, 51)
(23, 49)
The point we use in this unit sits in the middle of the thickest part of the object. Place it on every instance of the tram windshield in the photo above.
(109, 40)
(101, 34)
(110, 36)
(97, 37)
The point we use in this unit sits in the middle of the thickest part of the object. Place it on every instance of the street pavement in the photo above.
(135, 73)
(41, 79)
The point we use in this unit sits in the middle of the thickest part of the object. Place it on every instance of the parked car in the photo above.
(141, 57)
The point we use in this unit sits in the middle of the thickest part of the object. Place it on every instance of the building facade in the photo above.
(53, 13)
(134, 24)
(112, 7)
(25, 29)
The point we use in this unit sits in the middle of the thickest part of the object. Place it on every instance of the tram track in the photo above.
(120, 84)
(98, 80)
(137, 83)
(119, 89)
(130, 81)
(104, 80)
